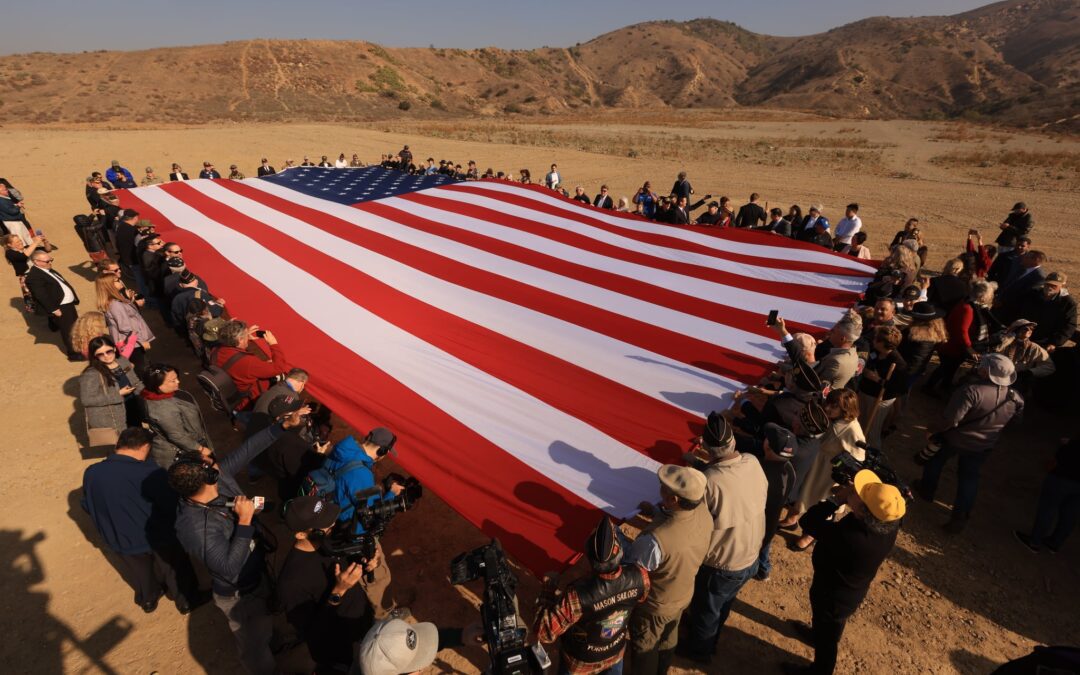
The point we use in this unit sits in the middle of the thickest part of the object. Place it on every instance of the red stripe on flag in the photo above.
(804, 293)
(581, 215)
(685, 349)
(538, 522)
(629, 416)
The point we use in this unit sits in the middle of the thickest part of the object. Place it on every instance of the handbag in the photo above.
(102, 436)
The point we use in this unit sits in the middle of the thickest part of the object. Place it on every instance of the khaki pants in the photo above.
(653, 638)
(375, 590)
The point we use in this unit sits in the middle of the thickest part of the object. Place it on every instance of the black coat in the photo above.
(47, 291)
(603, 202)
(178, 175)
(750, 215)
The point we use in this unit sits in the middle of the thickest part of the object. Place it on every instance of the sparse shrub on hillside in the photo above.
(512, 108)
(365, 88)
(383, 54)
(387, 78)
(437, 104)
(529, 99)
(404, 105)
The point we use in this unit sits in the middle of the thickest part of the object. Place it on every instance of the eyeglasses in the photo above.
(106, 352)
(47, 260)
(175, 250)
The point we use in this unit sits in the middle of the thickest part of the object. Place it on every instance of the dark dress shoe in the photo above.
(149, 607)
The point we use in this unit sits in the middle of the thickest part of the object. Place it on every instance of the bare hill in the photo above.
(1017, 62)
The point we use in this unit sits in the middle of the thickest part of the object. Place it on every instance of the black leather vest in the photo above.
(606, 605)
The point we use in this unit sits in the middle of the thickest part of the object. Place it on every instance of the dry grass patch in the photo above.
(1018, 167)
(848, 154)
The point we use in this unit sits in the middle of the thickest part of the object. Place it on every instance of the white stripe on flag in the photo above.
(679, 322)
(662, 378)
(745, 248)
(544, 438)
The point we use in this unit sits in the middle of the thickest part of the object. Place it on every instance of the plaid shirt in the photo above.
(555, 618)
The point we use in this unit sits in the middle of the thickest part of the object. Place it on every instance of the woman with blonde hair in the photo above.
(87, 327)
(844, 435)
(124, 319)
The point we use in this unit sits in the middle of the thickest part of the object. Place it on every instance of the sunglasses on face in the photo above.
(106, 352)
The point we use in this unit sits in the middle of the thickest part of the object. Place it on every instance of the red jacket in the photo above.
(250, 373)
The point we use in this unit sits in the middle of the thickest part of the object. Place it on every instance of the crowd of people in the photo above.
(801, 450)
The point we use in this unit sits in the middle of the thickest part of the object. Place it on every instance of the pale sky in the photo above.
(52, 25)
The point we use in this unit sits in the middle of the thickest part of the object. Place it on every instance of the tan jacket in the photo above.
(1027, 356)
(683, 537)
(838, 366)
(735, 494)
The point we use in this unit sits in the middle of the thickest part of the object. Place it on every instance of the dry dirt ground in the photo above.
(940, 604)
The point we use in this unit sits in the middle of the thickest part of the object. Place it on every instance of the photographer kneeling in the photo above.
(846, 559)
(353, 466)
(216, 524)
(318, 593)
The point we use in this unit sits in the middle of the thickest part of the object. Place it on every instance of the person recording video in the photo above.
(216, 524)
(319, 593)
(352, 465)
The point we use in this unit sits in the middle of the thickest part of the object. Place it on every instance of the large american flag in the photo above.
(538, 358)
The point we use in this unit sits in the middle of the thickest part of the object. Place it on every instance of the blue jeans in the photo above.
(614, 670)
(764, 564)
(714, 592)
(967, 477)
(1059, 500)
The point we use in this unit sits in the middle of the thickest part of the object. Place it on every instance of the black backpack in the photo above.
(219, 387)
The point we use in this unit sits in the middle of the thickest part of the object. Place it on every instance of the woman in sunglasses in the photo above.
(108, 391)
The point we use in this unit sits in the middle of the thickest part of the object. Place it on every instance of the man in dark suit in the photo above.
(54, 297)
(265, 169)
(750, 215)
(777, 223)
(680, 215)
(1009, 301)
(603, 200)
(177, 174)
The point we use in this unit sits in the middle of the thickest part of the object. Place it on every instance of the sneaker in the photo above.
(1025, 539)
(762, 575)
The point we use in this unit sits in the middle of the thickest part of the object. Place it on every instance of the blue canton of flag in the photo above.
(351, 186)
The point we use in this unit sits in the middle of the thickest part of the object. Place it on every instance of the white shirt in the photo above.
(340, 164)
(69, 295)
(846, 228)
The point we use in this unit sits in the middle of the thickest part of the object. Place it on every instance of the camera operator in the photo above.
(319, 595)
(846, 559)
(353, 467)
(216, 524)
(671, 549)
(593, 614)
(294, 454)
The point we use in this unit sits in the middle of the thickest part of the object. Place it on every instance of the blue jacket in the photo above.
(121, 178)
(354, 480)
(130, 503)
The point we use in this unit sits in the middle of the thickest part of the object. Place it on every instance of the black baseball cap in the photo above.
(310, 512)
(382, 437)
(283, 405)
(781, 440)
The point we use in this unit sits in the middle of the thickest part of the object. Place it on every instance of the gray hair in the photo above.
(849, 330)
(982, 292)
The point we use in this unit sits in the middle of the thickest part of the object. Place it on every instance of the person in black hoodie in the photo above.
(846, 559)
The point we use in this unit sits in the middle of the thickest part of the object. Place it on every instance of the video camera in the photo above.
(503, 631)
(845, 466)
(346, 546)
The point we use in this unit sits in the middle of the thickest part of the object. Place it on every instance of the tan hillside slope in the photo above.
(1017, 62)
